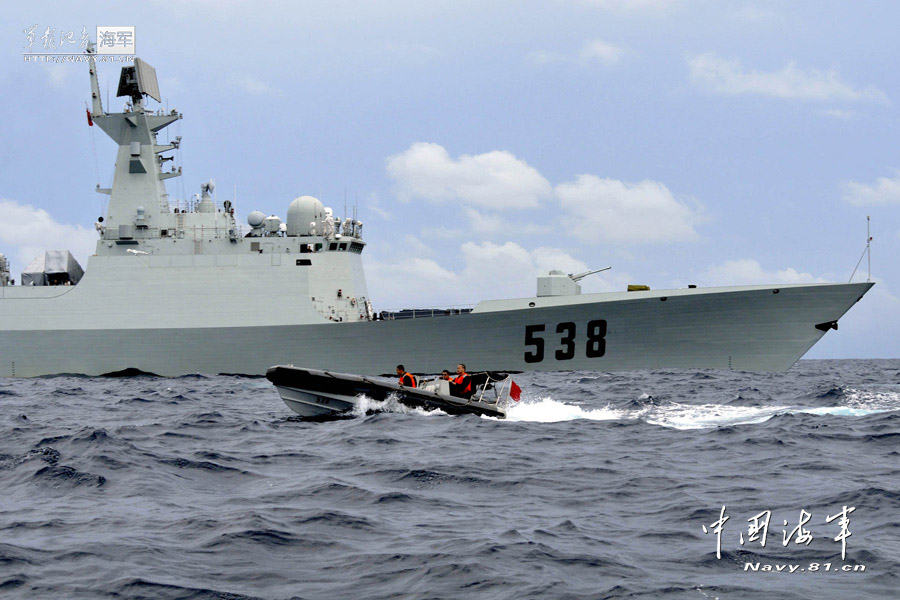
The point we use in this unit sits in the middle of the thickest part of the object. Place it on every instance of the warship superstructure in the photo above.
(178, 288)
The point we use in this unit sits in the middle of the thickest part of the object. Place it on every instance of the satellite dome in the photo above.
(256, 219)
(301, 212)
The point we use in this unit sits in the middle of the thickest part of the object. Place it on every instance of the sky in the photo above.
(677, 141)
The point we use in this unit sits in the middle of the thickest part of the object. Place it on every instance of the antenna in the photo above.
(867, 252)
(869, 245)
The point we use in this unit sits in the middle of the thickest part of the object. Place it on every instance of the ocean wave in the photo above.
(547, 410)
(62, 474)
(680, 415)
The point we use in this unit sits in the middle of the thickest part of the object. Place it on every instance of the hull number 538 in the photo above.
(565, 347)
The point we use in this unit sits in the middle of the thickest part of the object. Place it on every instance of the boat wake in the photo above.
(548, 410)
(366, 405)
(679, 415)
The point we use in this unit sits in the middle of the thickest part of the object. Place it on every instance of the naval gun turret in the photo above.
(558, 283)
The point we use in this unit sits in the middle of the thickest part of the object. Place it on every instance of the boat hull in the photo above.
(758, 328)
(317, 393)
(310, 404)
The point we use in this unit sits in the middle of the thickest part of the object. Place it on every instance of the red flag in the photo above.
(515, 392)
(90, 120)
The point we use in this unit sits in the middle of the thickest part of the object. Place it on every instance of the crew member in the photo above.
(406, 378)
(445, 375)
(462, 384)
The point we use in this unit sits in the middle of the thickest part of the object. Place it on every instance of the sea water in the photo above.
(653, 484)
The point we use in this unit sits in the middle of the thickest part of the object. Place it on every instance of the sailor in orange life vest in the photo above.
(462, 384)
(406, 378)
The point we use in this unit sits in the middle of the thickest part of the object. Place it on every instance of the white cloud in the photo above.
(747, 271)
(417, 246)
(254, 86)
(31, 231)
(885, 190)
(602, 52)
(485, 224)
(494, 180)
(507, 266)
(410, 283)
(607, 210)
(729, 77)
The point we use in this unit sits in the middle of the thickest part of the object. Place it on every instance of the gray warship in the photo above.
(177, 288)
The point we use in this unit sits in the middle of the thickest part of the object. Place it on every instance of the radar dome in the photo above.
(303, 211)
(256, 219)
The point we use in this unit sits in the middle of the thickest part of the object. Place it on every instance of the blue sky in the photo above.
(679, 141)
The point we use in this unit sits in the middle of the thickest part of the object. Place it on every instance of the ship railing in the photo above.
(189, 206)
(396, 314)
(195, 232)
(206, 231)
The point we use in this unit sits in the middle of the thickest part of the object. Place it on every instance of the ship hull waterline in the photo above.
(759, 328)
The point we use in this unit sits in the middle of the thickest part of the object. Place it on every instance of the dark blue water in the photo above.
(596, 487)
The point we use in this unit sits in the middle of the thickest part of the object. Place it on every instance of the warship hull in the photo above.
(753, 328)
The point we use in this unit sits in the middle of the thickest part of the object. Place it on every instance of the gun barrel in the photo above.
(581, 276)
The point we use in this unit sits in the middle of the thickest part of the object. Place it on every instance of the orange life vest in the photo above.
(464, 378)
(411, 380)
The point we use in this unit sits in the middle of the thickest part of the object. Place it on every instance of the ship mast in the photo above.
(96, 104)
(138, 195)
